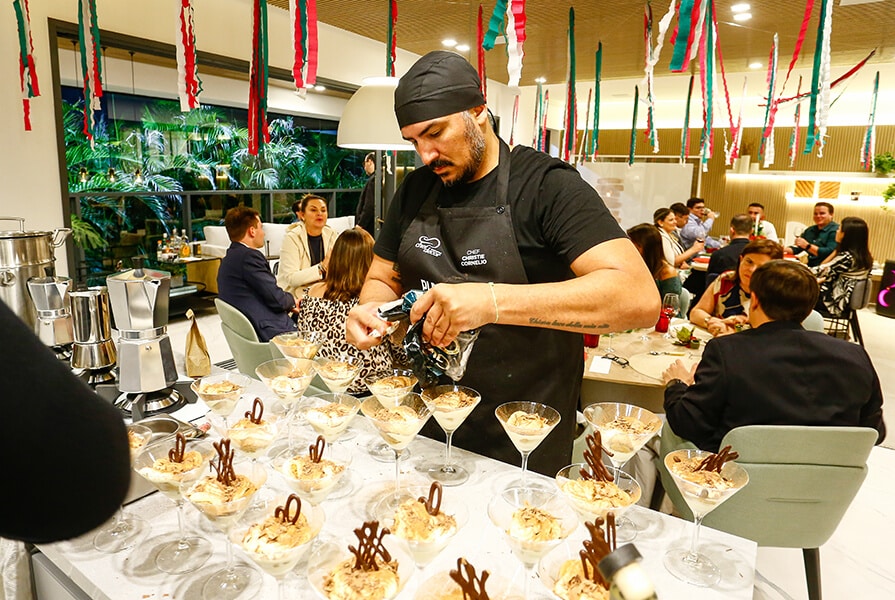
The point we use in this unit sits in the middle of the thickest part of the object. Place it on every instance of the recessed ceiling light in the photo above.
(462, 48)
(756, 65)
(740, 7)
(541, 80)
(449, 43)
(319, 88)
(744, 16)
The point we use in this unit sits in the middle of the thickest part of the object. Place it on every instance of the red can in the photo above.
(662, 323)
(591, 340)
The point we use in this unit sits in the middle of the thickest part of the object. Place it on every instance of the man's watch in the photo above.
(676, 380)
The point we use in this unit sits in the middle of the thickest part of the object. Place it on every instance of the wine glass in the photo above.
(593, 498)
(126, 529)
(299, 344)
(210, 496)
(533, 522)
(450, 405)
(278, 542)
(333, 561)
(389, 386)
(330, 414)
(527, 424)
(702, 496)
(312, 475)
(157, 464)
(624, 429)
(253, 434)
(287, 378)
(671, 305)
(338, 375)
(220, 392)
(397, 423)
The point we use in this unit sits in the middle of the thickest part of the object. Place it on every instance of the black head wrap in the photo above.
(440, 83)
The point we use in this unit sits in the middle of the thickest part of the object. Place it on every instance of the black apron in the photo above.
(508, 363)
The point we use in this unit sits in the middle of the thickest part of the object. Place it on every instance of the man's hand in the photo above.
(802, 243)
(452, 308)
(678, 370)
(363, 328)
(699, 245)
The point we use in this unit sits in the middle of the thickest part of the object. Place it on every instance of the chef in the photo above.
(512, 242)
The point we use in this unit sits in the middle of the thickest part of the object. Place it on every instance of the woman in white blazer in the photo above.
(306, 247)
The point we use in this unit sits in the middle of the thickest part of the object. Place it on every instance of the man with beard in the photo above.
(513, 243)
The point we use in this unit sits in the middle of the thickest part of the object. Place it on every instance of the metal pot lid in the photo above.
(25, 234)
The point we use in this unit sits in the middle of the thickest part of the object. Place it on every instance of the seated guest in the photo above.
(326, 305)
(245, 280)
(724, 307)
(365, 213)
(648, 242)
(819, 240)
(727, 258)
(761, 227)
(306, 246)
(775, 373)
(666, 221)
(698, 225)
(849, 262)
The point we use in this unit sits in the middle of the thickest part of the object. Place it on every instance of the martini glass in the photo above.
(312, 481)
(330, 414)
(233, 580)
(514, 512)
(389, 387)
(330, 556)
(398, 423)
(274, 543)
(155, 466)
(450, 405)
(287, 378)
(338, 374)
(702, 497)
(527, 424)
(253, 434)
(299, 344)
(592, 499)
(624, 429)
(126, 529)
(221, 392)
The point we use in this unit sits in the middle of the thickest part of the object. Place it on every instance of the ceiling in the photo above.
(858, 27)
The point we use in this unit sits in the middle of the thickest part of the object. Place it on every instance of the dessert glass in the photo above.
(187, 553)
(221, 392)
(287, 378)
(330, 414)
(234, 579)
(389, 394)
(590, 510)
(126, 529)
(253, 439)
(299, 344)
(525, 438)
(330, 555)
(398, 422)
(441, 587)
(338, 374)
(314, 490)
(686, 563)
(449, 417)
(504, 506)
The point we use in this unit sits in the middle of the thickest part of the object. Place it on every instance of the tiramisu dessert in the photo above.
(336, 374)
(311, 473)
(219, 496)
(424, 526)
(595, 491)
(713, 487)
(273, 543)
(252, 434)
(398, 425)
(370, 574)
(137, 437)
(532, 524)
(330, 419)
(291, 385)
(219, 394)
(295, 346)
(392, 387)
(580, 579)
(623, 436)
(451, 407)
(463, 584)
(526, 430)
(168, 472)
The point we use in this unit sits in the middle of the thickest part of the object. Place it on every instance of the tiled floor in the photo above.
(855, 563)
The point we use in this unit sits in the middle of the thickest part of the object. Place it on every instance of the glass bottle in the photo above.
(626, 576)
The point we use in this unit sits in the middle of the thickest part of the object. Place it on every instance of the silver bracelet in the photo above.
(494, 299)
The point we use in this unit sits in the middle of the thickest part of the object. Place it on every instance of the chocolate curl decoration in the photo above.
(315, 451)
(473, 587)
(433, 502)
(284, 513)
(369, 538)
(593, 456)
(223, 465)
(257, 412)
(175, 454)
(714, 462)
(601, 543)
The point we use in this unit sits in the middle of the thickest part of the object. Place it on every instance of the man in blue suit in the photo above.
(245, 281)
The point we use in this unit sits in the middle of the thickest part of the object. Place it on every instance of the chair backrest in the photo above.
(789, 234)
(860, 294)
(274, 233)
(802, 479)
(814, 322)
(247, 351)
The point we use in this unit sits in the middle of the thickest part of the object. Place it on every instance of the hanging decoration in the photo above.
(258, 131)
(652, 57)
(634, 127)
(392, 38)
(844, 77)
(766, 148)
(732, 145)
(868, 150)
(582, 153)
(515, 116)
(707, 81)
(480, 52)
(189, 86)
(508, 18)
(571, 100)
(818, 111)
(794, 136)
(686, 41)
(303, 26)
(27, 70)
(88, 37)
(536, 126)
(685, 131)
(542, 142)
(732, 150)
(595, 132)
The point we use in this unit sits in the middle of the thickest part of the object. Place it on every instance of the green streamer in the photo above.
(634, 127)
(595, 133)
(811, 137)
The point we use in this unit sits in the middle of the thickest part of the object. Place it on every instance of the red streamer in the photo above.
(480, 50)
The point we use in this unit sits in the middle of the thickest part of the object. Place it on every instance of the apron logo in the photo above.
(429, 245)
(473, 258)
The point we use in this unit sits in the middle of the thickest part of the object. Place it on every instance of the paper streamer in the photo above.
(536, 126)
(543, 140)
(392, 38)
(571, 100)
(868, 150)
(687, 40)
(732, 151)
(650, 132)
(820, 77)
(27, 71)
(685, 131)
(189, 86)
(88, 38)
(480, 52)
(598, 74)
(794, 136)
(303, 25)
(707, 81)
(766, 148)
(258, 130)
(508, 17)
(634, 127)
(515, 117)
(582, 154)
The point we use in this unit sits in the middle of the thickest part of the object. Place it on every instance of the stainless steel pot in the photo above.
(25, 254)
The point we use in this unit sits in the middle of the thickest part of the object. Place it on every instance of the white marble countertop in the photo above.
(132, 574)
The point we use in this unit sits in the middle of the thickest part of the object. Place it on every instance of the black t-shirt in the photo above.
(315, 247)
(556, 219)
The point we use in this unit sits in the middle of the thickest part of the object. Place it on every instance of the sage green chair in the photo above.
(247, 351)
(802, 479)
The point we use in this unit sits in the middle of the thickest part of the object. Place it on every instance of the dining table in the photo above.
(132, 574)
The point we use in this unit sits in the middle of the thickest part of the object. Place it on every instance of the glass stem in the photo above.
(694, 542)
(524, 470)
(281, 587)
(447, 449)
(181, 527)
(229, 553)
(289, 415)
(397, 471)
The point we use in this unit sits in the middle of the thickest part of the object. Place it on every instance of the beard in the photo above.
(475, 141)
